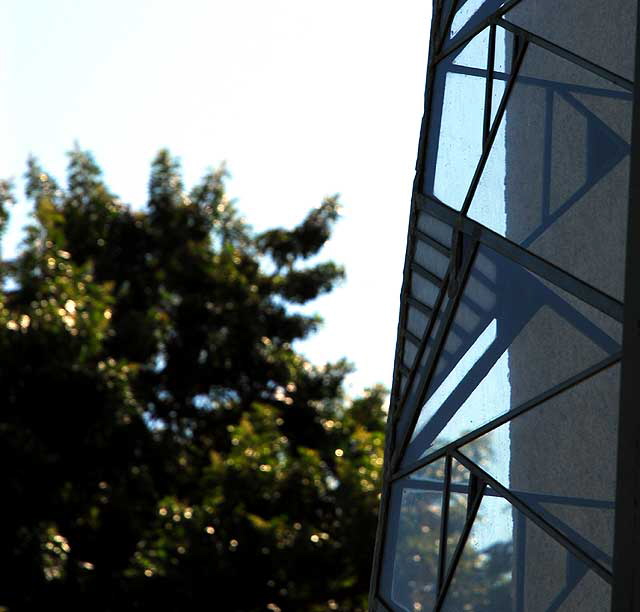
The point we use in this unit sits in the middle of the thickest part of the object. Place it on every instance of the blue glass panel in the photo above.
(509, 564)
(416, 321)
(513, 337)
(410, 403)
(502, 67)
(436, 229)
(469, 14)
(431, 259)
(409, 353)
(535, 457)
(424, 289)
(409, 572)
(559, 161)
(458, 506)
(455, 135)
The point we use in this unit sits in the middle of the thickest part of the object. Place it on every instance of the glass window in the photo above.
(500, 568)
(456, 129)
(513, 337)
(409, 572)
(561, 159)
(535, 457)
(436, 229)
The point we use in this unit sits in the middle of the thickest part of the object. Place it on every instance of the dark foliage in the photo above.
(164, 446)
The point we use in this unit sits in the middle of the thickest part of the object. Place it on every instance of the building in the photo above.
(510, 480)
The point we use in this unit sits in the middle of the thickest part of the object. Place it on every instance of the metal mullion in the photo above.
(488, 92)
(428, 99)
(396, 392)
(493, 18)
(447, 24)
(464, 536)
(539, 41)
(381, 537)
(426, 274)
(395, 405)
(533, 516)
(534, 263)
(444, 523)
(432, 242)
(436, 312)
(626, 560)
(403, 369)
(508, 416)
(488, 143)
(418, 305)
(435, 354)
(382, 603)
(412, 338)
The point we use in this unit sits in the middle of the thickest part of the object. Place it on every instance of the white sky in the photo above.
(302, 99)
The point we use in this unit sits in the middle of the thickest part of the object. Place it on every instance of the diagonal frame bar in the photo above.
(464, 536)
(491, 136)
(497, 18)
(444, 523)
(435, 354)
(488, 93)
(539, 41)
(558, 389)
(531, 514)
(543, 268)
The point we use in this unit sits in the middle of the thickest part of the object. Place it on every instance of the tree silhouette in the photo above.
(164, 445)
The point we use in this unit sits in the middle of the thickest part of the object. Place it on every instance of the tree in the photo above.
(164, 443)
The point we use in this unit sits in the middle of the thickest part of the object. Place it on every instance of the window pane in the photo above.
(416, 321)
(535, 457)
(483, 577)
(435, 228)
(470, 13)
(513, 337)
(411, 400)
(455, 135)
(410, 561)
(431, 259)
(502, 67)
(458, 506)
(409, 353)
(559, 160)
(509, 564)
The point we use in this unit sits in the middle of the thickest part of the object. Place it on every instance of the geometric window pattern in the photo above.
(499, 484)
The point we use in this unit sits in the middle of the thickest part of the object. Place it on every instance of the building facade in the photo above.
(510, 480)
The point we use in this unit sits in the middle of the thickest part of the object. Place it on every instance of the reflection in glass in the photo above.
(501, 568)
(513, 337)
(560, 159)
(483, 577)
(458, 507)
(534, 456)
(410, 562)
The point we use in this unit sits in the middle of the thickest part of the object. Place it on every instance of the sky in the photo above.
(301, 99)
